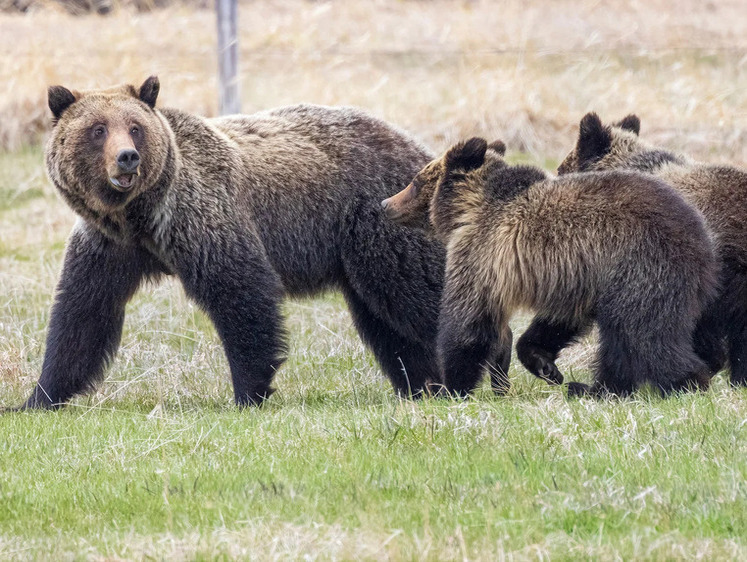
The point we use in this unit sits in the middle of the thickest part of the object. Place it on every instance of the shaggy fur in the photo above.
(620, 249)
(244, 210)
(719, 192)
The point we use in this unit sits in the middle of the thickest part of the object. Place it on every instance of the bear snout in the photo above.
(390, 208)
(128, 162)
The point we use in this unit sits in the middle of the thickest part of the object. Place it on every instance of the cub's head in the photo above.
(413, 206)
(107, 146)
(603, 147)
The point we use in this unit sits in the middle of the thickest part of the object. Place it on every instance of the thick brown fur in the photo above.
(244, 210)
(620, 249)
(718, 191)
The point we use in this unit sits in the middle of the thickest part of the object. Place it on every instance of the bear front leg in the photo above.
(236, 286)
(500, 362)
(467, 337)
(98, 278)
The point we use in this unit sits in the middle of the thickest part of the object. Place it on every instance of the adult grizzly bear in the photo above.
(620, 249)
(718, 191)
(243, 210)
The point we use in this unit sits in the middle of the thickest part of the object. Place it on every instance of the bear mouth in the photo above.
(123, 182)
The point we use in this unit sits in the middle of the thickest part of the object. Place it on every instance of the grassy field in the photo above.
(158, 464)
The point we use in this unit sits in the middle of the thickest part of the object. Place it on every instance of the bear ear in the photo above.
(630, 123)
(59, 99)
(594, 140)
(498, 146)
(149, 91)
(467, 155)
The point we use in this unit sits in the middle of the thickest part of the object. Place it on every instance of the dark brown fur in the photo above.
(620, 249)
(718, 191)
(243, 210)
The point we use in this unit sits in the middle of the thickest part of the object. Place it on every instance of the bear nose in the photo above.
(128, 160)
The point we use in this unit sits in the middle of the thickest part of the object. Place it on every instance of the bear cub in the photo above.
(620, 249)
(719, 192)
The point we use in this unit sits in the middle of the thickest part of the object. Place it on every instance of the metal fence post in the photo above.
(228, 56)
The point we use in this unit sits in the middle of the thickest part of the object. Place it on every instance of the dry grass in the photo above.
(441, 69)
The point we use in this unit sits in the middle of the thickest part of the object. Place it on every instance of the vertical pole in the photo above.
(228, 56)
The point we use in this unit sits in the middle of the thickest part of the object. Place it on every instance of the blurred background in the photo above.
(522, 71)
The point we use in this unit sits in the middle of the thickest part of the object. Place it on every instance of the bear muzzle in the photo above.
(396, 205)
(128, 169)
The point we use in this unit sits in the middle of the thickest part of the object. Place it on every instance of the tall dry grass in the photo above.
(525, 73)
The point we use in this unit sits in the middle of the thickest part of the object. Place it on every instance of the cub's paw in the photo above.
(578, 389)
(549, 372)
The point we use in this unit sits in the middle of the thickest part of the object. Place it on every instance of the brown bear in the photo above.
(244, 210)
(620, 249)
(718, 191)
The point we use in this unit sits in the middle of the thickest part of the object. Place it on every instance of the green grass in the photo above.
(158, 464)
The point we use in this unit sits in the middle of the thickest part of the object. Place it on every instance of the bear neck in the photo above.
(653, 160)
(142, 211)
(506, 183)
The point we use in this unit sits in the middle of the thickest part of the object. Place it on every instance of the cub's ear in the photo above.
(630, 123)
(467, 155)
(149, 91)
(59, 99)
(594, 140)
(498, 146)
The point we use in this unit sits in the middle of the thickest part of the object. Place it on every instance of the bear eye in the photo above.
(135, 130)
(98, 131)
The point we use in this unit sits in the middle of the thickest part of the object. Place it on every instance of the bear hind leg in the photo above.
(737, 338)
(410, 367)
(539, 346)
(617, 365)
(708, 341)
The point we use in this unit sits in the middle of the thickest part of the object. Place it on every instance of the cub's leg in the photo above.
(732, 311)
(698, 378)
(499, 362)
(468, 335)
(98, 279)
(708, 340)
(660, 353)
(618, 368)
(232, 280)
(737, 339)
(538, 348)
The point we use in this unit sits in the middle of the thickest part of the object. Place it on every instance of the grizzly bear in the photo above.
(719, 192)
(243, 210)
(620, 249)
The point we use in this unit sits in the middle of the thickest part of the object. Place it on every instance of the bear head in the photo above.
(603, 147)
(107, 146)
(411, 206)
